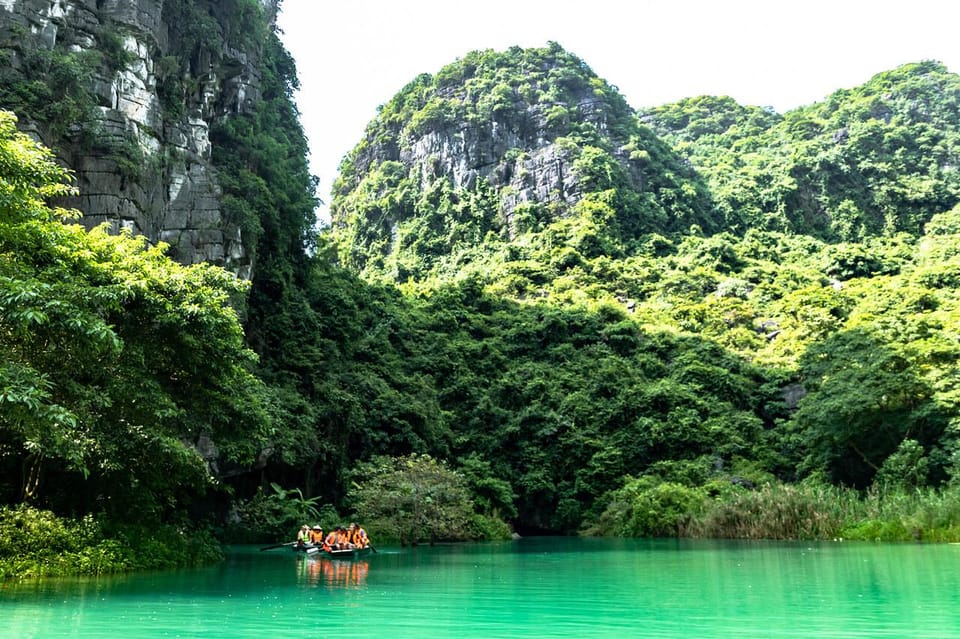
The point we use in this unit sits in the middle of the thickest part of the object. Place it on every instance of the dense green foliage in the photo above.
(53, 86)
(808, 510)
(417, 499)
(400, 219)
(742, 324)
(114, 361)
(37, 543)
(278, 511)
(877, 159)
(813, 336)
(113, 355)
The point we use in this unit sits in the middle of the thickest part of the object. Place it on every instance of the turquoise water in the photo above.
(531, 588)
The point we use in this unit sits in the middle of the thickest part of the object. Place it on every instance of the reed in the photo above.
(924, 514)
(809, 510)
(776, 511)
(820, 511)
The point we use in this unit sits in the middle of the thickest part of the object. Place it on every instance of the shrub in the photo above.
(278, 514)
(488, 528)
(777, 511)
(416, 498)
(38, 543)
(646, 508)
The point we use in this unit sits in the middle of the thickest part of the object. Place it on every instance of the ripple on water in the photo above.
(533, 588)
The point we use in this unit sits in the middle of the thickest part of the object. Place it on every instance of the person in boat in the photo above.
(330, 543)
(358, 536)
(343, 539)
(316, 535)
(303, 537)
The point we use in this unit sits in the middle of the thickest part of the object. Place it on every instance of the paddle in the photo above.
(289, 543)
(372, 548)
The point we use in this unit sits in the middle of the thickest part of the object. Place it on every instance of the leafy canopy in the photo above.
(114, 359)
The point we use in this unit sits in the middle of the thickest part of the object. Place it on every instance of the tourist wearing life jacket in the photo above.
(358, 536)
(343, 539)
(330, 543)
(316, 535)
(303, 537)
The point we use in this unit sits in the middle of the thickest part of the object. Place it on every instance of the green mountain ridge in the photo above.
(821, 228)
(497, 146)
(876, 160)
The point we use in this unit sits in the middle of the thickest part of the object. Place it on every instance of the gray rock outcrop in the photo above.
(516, 152)
(147, 170)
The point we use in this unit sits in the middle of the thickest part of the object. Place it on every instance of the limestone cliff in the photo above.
(503, 143)
(126, 92)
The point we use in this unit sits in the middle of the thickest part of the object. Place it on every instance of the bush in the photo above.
(875, 530)
(663, 511)
(777, 511)
(643, 508)
(38, 543)
(906, 468)
(279, 514)
(487, 528)
(417, 498)
(907, 515)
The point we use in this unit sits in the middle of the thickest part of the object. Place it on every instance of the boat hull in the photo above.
(355, 553)
(317, 551)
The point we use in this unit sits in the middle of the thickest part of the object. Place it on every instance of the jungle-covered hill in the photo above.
(704, 289)
(534, 305)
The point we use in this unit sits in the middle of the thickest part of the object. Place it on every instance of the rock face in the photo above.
(541, 173)
(496, 147)
(140, 165)
(516, 145)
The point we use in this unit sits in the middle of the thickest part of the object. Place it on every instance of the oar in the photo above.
(289, 543)
(372, 548)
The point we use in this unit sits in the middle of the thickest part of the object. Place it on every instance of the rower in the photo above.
(330, 542)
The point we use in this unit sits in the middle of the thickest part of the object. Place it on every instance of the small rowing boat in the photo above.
(347, 553)
(318, 551)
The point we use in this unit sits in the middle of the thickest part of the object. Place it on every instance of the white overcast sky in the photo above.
(354, 55)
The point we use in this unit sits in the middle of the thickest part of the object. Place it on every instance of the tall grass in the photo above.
(788, 511)
(923, 514)
(777, 511)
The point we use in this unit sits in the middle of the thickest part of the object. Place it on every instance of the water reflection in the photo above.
(332, 573)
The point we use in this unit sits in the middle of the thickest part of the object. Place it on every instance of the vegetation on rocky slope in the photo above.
(731, 323)
(811, 335)
(499, 145)
(114, 358)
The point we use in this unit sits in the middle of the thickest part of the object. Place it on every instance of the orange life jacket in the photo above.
(359, 538)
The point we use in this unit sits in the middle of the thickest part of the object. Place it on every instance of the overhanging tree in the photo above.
(114, 360)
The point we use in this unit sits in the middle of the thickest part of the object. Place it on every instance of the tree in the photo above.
(413, 499)
(866, 399)
(114, 360)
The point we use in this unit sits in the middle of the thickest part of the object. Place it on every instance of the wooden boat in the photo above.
(318, 551)
(352, 553)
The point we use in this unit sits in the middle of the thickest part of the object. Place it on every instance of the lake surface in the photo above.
(538, 587)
